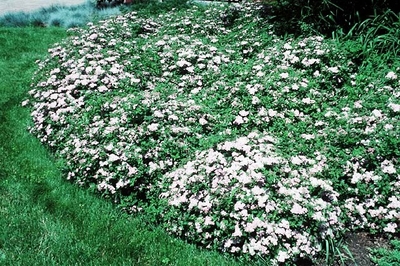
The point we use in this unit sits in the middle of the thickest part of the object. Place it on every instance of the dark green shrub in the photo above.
(379, 34)
(326, 16)
(108, 3)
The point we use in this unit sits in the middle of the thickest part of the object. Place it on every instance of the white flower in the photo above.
(113, 158)
(217, 60)
(93, 36)
(258, 67)
(388, 167)
(134, 80)
(257, 190)
(394, 202)
(228, 243)
(297, 209)
(255, 100)
(102, 88)
(296, 160)
(318, 216)
(202, 121)
(160, 43)
(391, 75)
(287, 46)
(282, 256)
(307, 136)
(173, 117)
(239, 120)
(208, 221)
(239, 206)
(307, 101)
(377, 113)
(182, 63)
(122, 183)
(109, 147)
(394, 107)
(284, 75)
(152, 127)
(158, 114)
(390, 228)
(333, 70)
(132, 170)
(356, 178)
(272, 113)
(357, 104)
(244, 113)
(237, 232)
(388, 126)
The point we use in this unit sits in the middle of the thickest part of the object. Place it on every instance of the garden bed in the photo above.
(232, 137)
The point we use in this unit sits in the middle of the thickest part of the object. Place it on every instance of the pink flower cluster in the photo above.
(375, 212)
(245, 198)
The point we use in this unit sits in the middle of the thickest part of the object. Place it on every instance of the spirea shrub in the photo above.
(242, 197)
(240, 140)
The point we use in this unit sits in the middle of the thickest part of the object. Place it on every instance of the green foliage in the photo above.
(326, 16)
(380, 34)
(337, 251)
(387, 257)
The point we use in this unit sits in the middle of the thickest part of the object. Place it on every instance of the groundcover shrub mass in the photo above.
(239, 140)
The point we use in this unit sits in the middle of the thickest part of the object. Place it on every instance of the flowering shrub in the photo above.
(242, 197)
(242, 141)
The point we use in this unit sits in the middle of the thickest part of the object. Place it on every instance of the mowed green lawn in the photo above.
(45, 220)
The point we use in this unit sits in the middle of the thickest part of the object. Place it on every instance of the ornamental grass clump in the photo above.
(231, 137)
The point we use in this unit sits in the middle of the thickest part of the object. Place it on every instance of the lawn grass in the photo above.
(44, 220)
